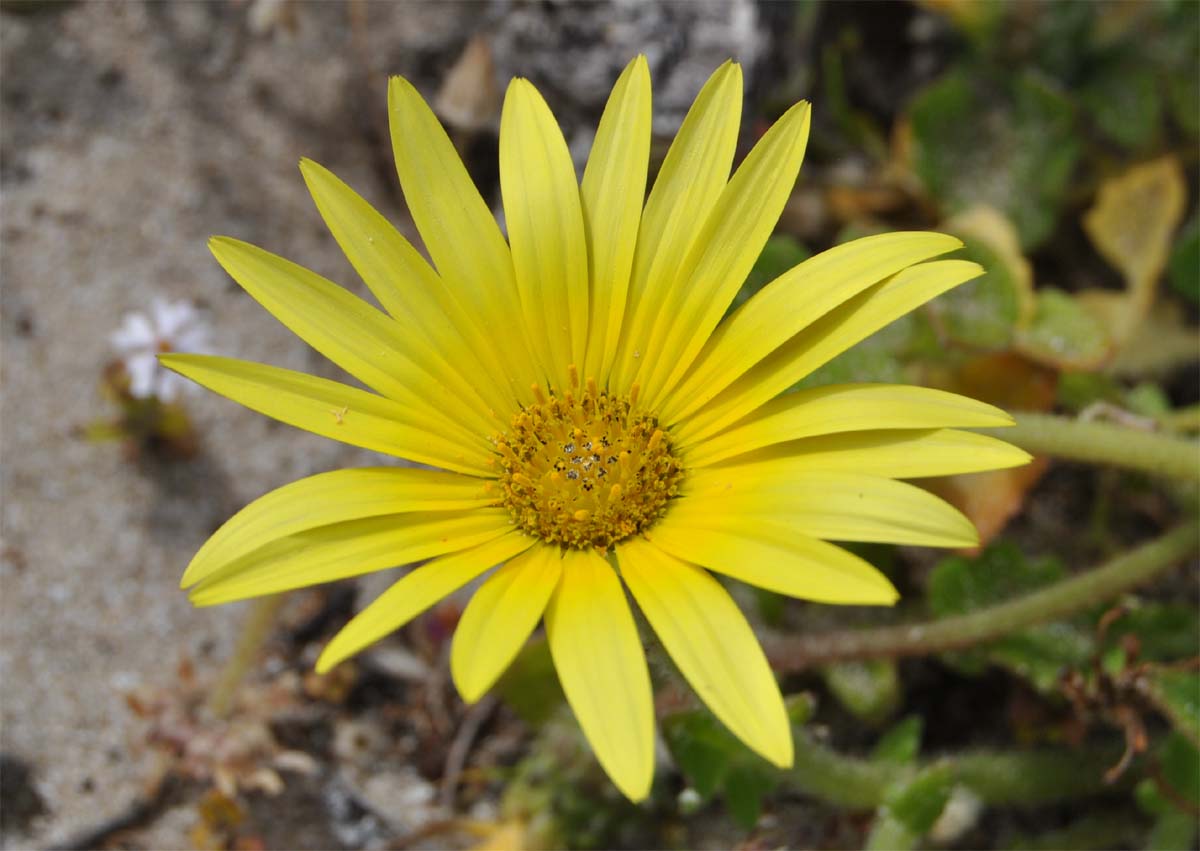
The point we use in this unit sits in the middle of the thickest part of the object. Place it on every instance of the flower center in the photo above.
(585, 471)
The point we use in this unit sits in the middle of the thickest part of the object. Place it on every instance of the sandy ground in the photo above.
(130, 134)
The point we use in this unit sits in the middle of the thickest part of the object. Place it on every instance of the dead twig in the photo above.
(460, 748)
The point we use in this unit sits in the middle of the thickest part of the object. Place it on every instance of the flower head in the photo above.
(170, 326)
(600, 426)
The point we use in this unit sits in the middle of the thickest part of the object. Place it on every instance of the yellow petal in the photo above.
(614, 186)
(832, 505)
(602, 669)
(845, 407)
(692, 176)
(724, 252)
(791, 302)
(459, 231)
(331, 410)
(771, 555)
(348, 331)
(454, 348)
(346, 549)
(416, 592)
(333, 497)
(824, 339)
(545, 229)
(500, 616)
(711, 643)
(894, 454)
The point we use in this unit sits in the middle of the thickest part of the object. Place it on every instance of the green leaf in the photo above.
(984, 312)
(1078, 390)
(1183, 89)
(874, 359)
(901, 744)
(1184, 265)
(1123, 98)
(1165, 631)
(530, 686)
(1148, 400)
(780, 254)
(1181, 766)
(870, 690)
(715, 762)
(959, 584)
(1177, 694)
(1099, 830)
(745, 789)
(1039, 653)
(1174, 827)
(1063, 333)
(1176, 49)
(918, 802)
(1008, 143)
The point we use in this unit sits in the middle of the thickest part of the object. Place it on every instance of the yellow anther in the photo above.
(573, 375)
(587, 472)
(633, 393)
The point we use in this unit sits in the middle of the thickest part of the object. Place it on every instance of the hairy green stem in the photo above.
(890, 834)
(793, 653)
(1008, 778)
(837, 779)
(1103, 443)
(254, 634)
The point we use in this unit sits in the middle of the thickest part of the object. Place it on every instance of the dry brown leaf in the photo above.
(469, 98)
(991, 499)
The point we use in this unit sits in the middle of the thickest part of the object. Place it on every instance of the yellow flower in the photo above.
(595, 418)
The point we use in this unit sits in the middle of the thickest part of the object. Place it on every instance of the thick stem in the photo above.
(1102, 443)
(793, 653)
(837, 779)
(255, 631)
(1000, 778)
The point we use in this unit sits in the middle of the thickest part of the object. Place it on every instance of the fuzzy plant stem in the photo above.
(1103, 443)
(1030, 778)
(1126, 571)
(255, 631)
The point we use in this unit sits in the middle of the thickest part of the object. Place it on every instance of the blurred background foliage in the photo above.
(1059, 142)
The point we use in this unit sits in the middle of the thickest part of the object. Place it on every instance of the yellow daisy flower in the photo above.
(595, 418)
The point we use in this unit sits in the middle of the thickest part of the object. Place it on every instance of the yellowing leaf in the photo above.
(1131, 225)
(992, 498)
(1009, 381)
(989, 226)
(986, 313)
(1162, 342)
